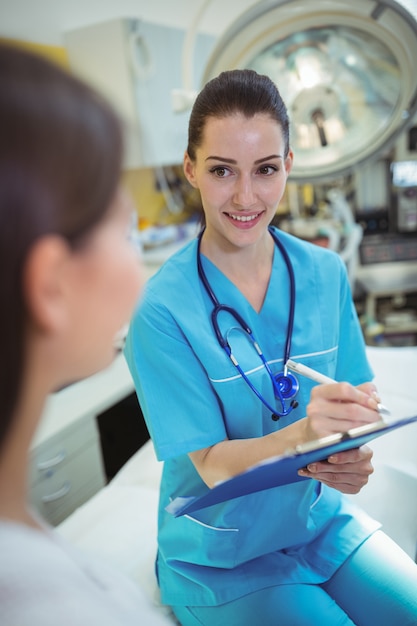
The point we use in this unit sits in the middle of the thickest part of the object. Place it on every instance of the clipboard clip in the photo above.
(352, 433)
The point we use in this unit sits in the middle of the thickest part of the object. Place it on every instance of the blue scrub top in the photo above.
(193, 397)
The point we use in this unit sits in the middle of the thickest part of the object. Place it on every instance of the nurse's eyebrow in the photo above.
(223, 159)
(268, 158)
(233, 161)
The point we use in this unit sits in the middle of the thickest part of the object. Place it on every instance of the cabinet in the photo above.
(67, 465)
(66, 470)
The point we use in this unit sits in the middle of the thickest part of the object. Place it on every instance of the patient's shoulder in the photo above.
(45, 581)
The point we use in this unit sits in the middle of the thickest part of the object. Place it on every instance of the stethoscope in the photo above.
(285, 384)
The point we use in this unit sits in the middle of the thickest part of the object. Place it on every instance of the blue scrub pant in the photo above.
(376, 586)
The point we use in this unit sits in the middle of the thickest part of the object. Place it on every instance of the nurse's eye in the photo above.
(268, 170)
(220, 171)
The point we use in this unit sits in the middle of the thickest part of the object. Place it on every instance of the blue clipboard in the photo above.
(282, 470)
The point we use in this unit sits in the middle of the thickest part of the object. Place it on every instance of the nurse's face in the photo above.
(241, 172)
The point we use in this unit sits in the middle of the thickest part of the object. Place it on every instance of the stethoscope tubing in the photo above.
(218, 307)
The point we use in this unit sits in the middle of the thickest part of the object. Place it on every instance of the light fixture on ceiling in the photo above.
(345, 68)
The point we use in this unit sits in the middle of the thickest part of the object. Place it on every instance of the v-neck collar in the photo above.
(222, 286)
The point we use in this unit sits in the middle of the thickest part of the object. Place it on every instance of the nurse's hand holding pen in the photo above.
(338, 407)
(335, 408)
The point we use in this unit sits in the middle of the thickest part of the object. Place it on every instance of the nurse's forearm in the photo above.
(333, 408)
(231, 457)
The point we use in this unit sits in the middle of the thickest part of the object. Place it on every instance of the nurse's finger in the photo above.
(364, 453)
(324, 470)
(365, 395)
(343, 481)
(326, 418)
(357, 461)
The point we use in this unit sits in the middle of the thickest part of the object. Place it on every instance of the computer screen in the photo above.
(404, 173)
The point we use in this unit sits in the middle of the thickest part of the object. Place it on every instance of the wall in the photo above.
(148, 202)
(44, 21)
(40, 26)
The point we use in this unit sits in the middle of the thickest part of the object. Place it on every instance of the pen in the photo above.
(308, 372)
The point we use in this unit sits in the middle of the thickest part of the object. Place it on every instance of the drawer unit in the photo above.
(66, 470)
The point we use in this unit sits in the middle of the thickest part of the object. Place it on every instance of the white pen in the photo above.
(308, 372)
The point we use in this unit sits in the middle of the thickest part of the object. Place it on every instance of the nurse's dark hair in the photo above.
(60, 161)
(241, 91)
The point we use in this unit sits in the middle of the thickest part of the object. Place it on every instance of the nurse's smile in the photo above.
(243, 220)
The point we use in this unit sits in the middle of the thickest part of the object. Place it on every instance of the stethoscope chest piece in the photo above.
(286, 387)
(287, 384)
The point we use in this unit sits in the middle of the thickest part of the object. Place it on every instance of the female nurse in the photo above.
(300, 554)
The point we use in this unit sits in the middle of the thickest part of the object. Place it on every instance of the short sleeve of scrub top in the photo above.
(170, 380)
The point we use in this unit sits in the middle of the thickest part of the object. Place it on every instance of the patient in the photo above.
(69, 280)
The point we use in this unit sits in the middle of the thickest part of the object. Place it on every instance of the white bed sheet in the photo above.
(391, 493)
(119, 524)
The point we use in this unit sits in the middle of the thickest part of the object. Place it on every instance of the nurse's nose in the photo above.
(244, 192)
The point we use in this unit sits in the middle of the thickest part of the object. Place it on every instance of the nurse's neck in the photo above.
(247, 267)
(239, 256)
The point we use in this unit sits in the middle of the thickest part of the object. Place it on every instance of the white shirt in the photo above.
(45, 581)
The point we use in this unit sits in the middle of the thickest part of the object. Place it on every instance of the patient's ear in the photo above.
(44, 282)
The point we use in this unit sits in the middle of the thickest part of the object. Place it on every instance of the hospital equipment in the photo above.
(345, 69)
(285, 384)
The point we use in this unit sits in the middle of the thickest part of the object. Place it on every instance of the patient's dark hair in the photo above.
(236, 91)
(60, 161)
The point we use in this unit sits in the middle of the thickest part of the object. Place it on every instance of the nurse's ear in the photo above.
(45, 284)
(189, 170)
(289, 159)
